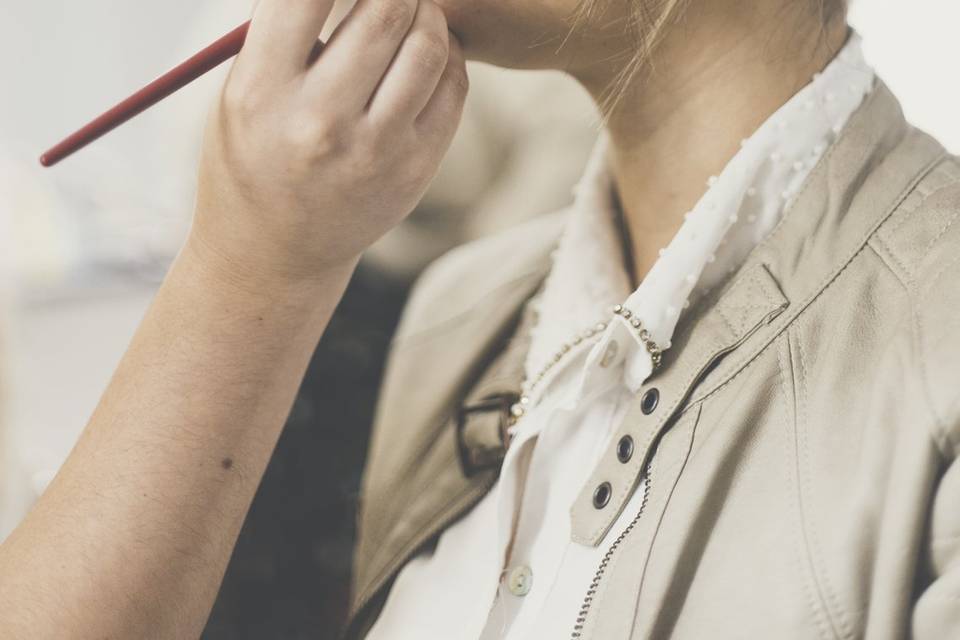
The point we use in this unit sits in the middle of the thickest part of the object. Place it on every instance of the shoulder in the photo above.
(458, 281)
(920, 244)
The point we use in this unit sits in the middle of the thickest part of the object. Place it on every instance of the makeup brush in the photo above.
(180, 76)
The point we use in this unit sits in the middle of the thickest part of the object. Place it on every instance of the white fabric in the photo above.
(460, 589)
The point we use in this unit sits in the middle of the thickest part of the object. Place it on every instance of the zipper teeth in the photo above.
(604, 563)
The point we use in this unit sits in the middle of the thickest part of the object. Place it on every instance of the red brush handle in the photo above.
(175, 79)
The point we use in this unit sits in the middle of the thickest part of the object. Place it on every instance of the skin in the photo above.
(717, 74)
(306, 161)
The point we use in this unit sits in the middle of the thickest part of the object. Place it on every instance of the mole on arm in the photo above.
(226, 463)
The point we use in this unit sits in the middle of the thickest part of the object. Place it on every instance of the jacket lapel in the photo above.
(440, 406)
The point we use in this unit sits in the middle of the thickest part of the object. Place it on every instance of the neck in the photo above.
(710, 83)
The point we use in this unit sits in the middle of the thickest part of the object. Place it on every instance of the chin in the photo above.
(517, 34)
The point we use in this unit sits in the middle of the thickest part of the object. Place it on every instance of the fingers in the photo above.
(282, 35)
(416, 69)
(360, 50)
(439, 119)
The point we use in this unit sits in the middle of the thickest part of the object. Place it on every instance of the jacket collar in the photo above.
(856, 185)
(842, 201)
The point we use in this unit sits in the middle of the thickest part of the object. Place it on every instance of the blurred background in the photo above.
(83, 247)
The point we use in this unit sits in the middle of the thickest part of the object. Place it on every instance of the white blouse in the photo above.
(508, 568)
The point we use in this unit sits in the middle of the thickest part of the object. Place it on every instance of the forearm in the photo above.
(132, 537)
(306, 161)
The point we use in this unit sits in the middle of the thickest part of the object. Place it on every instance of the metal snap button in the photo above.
(520, 580)
(625, 449)
(601, 495)
(649, 401)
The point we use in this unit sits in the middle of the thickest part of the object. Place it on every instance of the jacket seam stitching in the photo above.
(830, 278)
(943, 229)
(814, 600)
(675, 472)
(898, 269)
(842, 627)
(939, 434)
(902, 216)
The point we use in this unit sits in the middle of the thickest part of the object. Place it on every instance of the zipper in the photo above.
(578, 626)
(605, 561)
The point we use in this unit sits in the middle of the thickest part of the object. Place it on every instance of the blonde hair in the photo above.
(650, 20)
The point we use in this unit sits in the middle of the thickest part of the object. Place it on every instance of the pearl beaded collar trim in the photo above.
(740, 207)
(529, 385)
(520, 407)
(642, 333)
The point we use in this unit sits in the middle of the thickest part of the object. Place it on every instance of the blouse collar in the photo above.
(739, 208)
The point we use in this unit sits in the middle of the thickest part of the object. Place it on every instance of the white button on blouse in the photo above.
(520, 580)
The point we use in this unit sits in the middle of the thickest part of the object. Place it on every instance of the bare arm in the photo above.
(132, 537)
(304, 166)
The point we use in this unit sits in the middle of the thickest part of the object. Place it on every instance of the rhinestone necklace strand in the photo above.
(527, 387)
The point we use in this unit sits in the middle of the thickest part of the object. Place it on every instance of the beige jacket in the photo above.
(801, 468)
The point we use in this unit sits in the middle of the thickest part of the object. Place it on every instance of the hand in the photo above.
(307, 160)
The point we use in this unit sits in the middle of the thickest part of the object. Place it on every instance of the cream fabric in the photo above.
(802, 460)
(522, 528)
